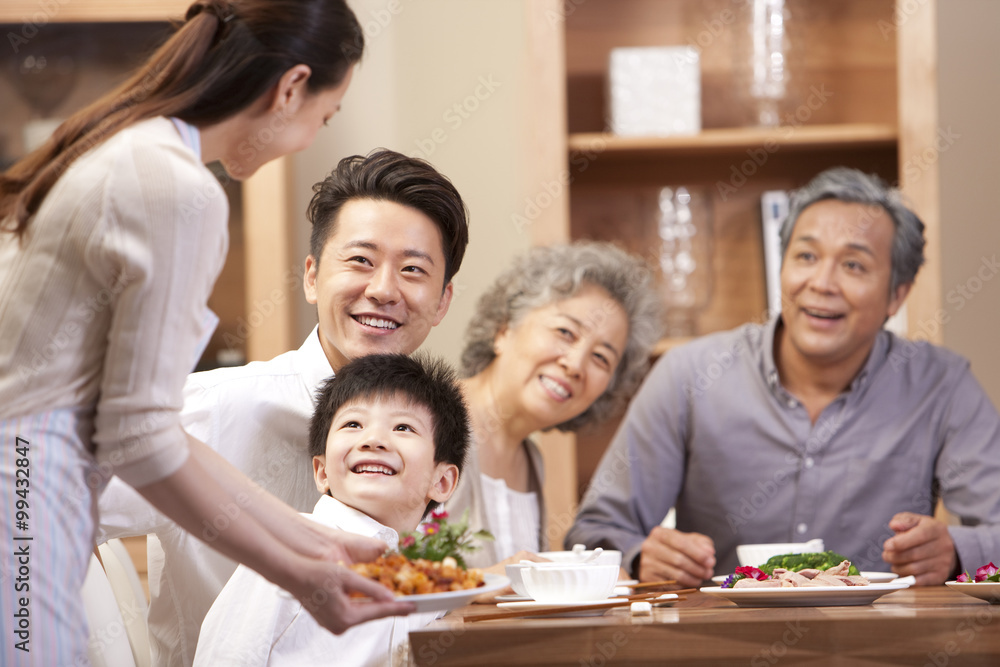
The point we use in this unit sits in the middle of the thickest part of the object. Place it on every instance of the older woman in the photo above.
(560, 340)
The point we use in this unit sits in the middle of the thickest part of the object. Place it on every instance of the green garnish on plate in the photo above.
(823, 560)
(440, 538)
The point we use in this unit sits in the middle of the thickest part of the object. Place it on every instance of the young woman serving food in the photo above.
(113, 234)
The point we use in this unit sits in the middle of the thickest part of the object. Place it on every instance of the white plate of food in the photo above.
(874, 577)
(453, 599)
(808, 596)
(984, 590)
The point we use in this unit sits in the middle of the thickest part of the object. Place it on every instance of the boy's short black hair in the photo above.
(421, 379)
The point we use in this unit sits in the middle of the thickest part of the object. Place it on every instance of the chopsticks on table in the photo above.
(652, 584)
(610, 604)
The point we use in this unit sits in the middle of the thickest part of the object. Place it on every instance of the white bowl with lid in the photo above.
(606, 557)
(513, 572)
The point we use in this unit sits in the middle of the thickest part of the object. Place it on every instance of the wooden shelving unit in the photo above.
(90, 11)
(843, 48)
(837, 48)
(735, 141)
(667, 344)
(262, 238)
(260, 258)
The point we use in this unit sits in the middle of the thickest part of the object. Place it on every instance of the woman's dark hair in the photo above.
(225, 56)
(385, 175)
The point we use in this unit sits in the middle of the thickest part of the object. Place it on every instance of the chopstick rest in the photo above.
(642, 608)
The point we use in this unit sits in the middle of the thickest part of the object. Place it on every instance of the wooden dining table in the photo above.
(934, 626)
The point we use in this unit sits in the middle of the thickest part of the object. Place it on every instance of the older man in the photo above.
(818, 424)
(389, 233)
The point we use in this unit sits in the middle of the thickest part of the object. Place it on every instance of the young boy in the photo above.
(388, 440)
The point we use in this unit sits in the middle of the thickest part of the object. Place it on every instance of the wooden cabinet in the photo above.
(252, 320)
(860, 94)
(35, 14)
(840, 108)
(260, 258)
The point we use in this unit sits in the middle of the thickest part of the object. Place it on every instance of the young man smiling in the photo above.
(389, 233)
(819, 424)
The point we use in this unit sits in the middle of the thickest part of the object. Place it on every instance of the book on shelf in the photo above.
(773, 211)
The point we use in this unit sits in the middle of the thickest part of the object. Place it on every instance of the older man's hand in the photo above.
(689, 558)
(922, 547)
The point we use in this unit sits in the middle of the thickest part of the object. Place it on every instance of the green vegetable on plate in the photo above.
(795, 562)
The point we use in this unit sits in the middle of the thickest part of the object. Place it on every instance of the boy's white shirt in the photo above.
(253, 622)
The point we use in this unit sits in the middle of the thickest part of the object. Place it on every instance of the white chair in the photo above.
(130, 596)
(108, 645)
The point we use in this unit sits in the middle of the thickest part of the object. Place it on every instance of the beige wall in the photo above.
(423, 58)
(969, 96)
(504, 146)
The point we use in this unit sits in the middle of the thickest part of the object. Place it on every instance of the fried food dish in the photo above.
(417, 577)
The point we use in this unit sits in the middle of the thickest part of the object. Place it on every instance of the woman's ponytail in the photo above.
(222, 58)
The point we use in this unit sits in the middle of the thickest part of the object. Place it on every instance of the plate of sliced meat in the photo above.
(811, 596)
(873, 577)
(833, 586)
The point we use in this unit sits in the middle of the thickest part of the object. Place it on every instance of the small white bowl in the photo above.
(755, 555)
(606, 557)
(514, 574)
(560, 582)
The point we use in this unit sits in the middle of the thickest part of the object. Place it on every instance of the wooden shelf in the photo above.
(664, 345)
(35, 15)
(736, 140)
(614, 181)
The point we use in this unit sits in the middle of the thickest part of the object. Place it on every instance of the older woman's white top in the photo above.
(512, 516)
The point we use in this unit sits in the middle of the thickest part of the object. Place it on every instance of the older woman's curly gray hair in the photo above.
(545, 275)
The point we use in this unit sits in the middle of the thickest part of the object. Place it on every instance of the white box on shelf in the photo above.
(654, 91)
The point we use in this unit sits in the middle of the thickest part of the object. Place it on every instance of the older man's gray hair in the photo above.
(851, 185)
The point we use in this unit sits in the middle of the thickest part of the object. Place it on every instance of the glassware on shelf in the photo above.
(763, 63)
(684, 224)
(43, 72)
